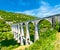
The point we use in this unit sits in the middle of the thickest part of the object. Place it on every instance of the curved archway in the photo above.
(43, 25)
(46, 23)
(49, 19)
(24, 29)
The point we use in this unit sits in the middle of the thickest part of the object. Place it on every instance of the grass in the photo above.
(7, 42)
(22, 47)
(47, 43)
(57, 42)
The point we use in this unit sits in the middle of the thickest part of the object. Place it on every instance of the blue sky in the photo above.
(39, 8)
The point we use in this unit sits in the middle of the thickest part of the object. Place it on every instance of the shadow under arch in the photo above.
(43, 25)
(24, 29)
(59, 28)
(31, 30)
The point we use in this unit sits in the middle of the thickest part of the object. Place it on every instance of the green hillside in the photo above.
(7, 42)
(15, 17)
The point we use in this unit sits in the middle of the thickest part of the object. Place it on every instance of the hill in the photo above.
(7, 42)
(15, 17)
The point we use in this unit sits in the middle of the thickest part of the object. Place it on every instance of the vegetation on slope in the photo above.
(6, 37)
(45, 42)
(7, 41)
(15, 17)
(57, 42)
(4, 27)
(47, 35)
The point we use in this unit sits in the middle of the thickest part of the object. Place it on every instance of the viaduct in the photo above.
(18, 30)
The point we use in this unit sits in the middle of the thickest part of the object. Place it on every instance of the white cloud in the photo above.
(44, 10)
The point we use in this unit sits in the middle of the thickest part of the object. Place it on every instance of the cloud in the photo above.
(44, 10)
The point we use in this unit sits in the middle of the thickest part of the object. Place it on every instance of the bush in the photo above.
(45, 42)
(56, 25)
(4, 27)
(7, 42)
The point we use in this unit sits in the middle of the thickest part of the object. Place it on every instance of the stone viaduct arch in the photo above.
(18, 31)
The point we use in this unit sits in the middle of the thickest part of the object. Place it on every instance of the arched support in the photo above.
(59, 19)
(49, 19)
(16, 31)
(36, 35)
(27, 33)
(22, 30)
(19, 32)
(13, 31)
(53, 22)
(22, 34)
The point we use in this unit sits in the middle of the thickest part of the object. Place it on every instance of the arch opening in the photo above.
(31, 31)
(43, 26)
(24, 27)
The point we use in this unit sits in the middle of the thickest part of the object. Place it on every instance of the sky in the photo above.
(38, 8)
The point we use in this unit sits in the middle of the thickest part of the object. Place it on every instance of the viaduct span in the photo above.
(18, 30)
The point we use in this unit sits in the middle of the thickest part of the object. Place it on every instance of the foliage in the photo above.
(6, 37)
(57, 25)
(45, 42)
(7, 42)
(44, 24)
(3, 26)
(15, 17)
(47, 36)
